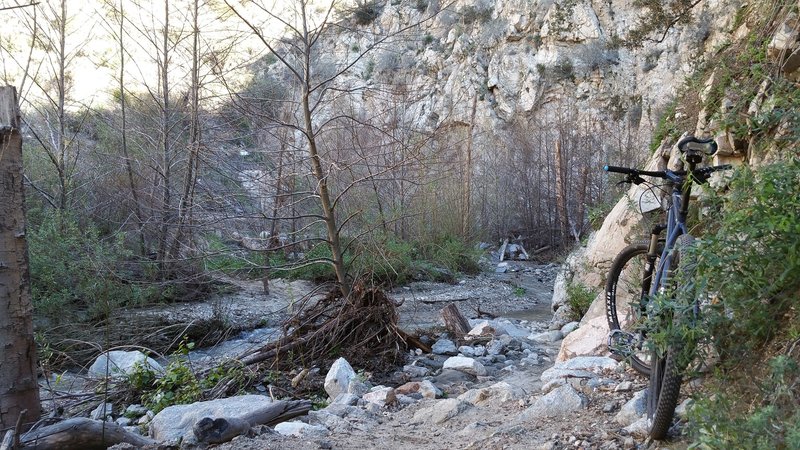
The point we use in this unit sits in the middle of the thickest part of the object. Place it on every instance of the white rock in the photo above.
(569, 328)
(499, 392)
(416, 371)
(300, 429)
(441, 411)
(633, 410)
(639, 428)
(589, 339)
(338, 378)
(547, 336)
(444, 347)
(123, 421)
(102, 411)
(513, 330)
(484, 328)
(588, 363)
(380, 395)
(357, 387)
(558, 402)
(467, 351)
(120, 363)
(464, 364)
(683, 409)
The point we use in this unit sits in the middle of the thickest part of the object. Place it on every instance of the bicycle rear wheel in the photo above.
(626, 288)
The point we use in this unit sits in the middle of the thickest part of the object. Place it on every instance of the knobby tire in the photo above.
(663, 394)
(628, 257)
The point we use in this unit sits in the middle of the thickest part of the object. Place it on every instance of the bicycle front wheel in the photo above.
(626, 289)
(664, 390)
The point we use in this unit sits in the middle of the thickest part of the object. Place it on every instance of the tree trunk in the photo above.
(19, 389)
(466, 219)
(561, 192)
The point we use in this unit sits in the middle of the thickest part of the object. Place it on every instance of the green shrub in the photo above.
(366, 13)
(579, 299)
(75, 271)
(746, 273)
(750, 267)
(240, 262)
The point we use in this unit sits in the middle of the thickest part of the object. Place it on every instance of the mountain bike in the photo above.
(642, 270)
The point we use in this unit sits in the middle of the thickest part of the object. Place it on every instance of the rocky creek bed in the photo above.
(499, 387)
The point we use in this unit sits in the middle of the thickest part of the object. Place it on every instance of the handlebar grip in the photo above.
(619, 169)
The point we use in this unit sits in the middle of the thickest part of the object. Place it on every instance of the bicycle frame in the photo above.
(675, 228)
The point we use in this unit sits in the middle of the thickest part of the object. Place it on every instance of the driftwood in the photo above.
(503, 250)
(447, 300)
(217, 431)
(361, 327)
(80, 433)
(454, 321)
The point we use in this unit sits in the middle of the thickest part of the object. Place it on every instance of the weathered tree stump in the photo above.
(454, 321)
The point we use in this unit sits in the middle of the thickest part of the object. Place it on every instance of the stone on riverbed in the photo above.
(467, 365)
(118, 363)
(338, 378)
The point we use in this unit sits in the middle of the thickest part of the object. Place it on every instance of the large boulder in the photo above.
(590, 339)
(119, 363)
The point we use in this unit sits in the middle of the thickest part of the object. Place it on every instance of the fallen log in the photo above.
(80, 433)
(223, 429)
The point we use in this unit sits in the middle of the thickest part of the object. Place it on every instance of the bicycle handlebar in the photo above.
(635, 174)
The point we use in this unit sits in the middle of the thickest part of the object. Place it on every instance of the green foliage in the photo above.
(579, 298)
(519, 291)
(240, 262)
(751, 265)
(385, 259)
(746, 274)
(179, 384)
(564, 70)
(722, 421)
(659, 17)
(76, 271)
(597, 213)
(666, 127)
(475, 14)
(368, 70)
(365, 13)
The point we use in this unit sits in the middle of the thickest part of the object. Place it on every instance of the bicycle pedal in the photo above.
(621, 344)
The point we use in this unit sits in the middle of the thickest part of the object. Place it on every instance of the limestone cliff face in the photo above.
(528, 57)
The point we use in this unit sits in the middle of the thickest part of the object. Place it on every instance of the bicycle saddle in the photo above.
(693, 144)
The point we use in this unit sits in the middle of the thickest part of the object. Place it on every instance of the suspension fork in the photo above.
(649, 268)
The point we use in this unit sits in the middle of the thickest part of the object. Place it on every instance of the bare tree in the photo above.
(317, 97)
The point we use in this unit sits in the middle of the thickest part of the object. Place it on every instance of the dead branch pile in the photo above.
(362, 328)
